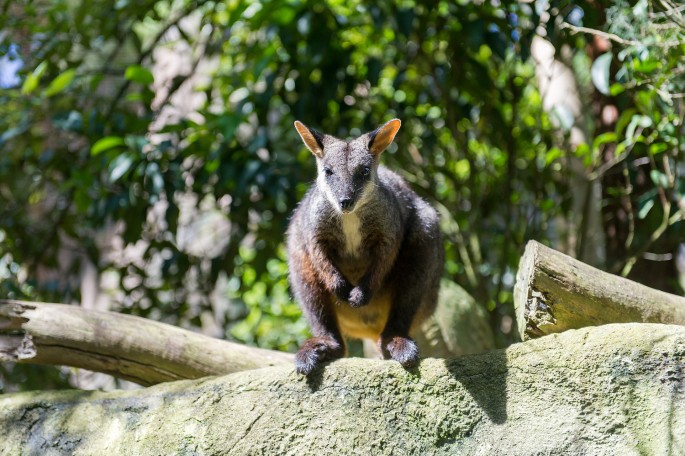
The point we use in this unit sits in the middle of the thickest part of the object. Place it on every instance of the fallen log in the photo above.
(554, 293)
(618, 389)
(128, 347)
(147, 352)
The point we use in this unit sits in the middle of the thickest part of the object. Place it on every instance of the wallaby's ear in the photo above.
(311, 138)
(382, 137)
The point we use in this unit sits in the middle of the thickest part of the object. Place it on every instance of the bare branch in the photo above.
(574, 29)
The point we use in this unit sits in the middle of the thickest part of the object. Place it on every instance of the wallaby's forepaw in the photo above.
(342, 290)
(359, 296)
(402, 349)
(314, 352)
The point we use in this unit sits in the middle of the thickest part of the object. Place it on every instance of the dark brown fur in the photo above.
(386, 285)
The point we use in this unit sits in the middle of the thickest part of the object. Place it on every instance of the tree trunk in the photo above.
(128, 347)
(618, 389)
(555, 292)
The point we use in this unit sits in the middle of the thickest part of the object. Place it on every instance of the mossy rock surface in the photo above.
(615, 389)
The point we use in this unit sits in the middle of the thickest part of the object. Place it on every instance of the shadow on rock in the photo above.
(485, 378)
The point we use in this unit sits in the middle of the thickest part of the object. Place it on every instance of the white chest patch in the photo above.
(351, 228)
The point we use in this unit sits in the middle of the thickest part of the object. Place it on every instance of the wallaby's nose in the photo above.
(346, 203)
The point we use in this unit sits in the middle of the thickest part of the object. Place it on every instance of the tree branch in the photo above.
(574, 29)
(128, 347)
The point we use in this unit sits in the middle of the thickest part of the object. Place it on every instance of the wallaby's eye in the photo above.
(328, 171)
(366, 171)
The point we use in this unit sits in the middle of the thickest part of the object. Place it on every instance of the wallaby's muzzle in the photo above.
(344, 191)
(346, 204)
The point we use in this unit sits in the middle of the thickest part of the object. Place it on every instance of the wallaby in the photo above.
(365, 253)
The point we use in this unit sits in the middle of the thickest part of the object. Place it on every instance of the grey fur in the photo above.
(399, 256)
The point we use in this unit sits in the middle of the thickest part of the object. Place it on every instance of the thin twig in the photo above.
(666, 221)
(613, 37)
(609, 36)
(613, 162)
(669, 12)
(629, 211)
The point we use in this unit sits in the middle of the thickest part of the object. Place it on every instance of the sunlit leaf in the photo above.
(564, 115)
(658, 148)
(644, 208)
(139, 74)
(637, 121)
(32, 80)
(602, 139)
(624, 119)
(600, 72)
(646, 66)
(120, 166)
(616, 89)
(660, 179)
(60, 82)
(106, 143)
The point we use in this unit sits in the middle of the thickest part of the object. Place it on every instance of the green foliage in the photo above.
(638, 155)
(86, 156)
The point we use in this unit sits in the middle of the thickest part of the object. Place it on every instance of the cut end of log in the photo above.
(14, 348)
(15, 343)
(12, 314)
(532, 306)
(554, 293)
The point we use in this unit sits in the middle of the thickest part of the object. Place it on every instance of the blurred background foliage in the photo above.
(148, 162)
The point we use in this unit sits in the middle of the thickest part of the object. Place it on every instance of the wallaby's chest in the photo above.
(351, 229)
(353, 253)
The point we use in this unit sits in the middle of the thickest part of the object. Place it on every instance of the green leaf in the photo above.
(33, 79)
(616, 89)
(564, 115)
(139, 74)
(604, 138)
(120, 166)
(637, 121)
(659, 178)
(644, 208)
(584, 152)
(658, 148)
(106, 143)
(640, 8)
(156, 179)
(284, 15)
(14, 131)
(624, 120)
(136, 142)
(600, 72)
(228, 124)
(30, 84)
(645, 203)
(553, 154)
(646, 66)
(60, 82)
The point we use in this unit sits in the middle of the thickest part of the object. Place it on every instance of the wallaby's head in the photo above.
(348, 170)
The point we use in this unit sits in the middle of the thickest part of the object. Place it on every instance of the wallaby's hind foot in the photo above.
(315, 351)
(402, 349)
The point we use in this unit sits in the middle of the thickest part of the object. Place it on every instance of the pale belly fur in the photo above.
(364, 322)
